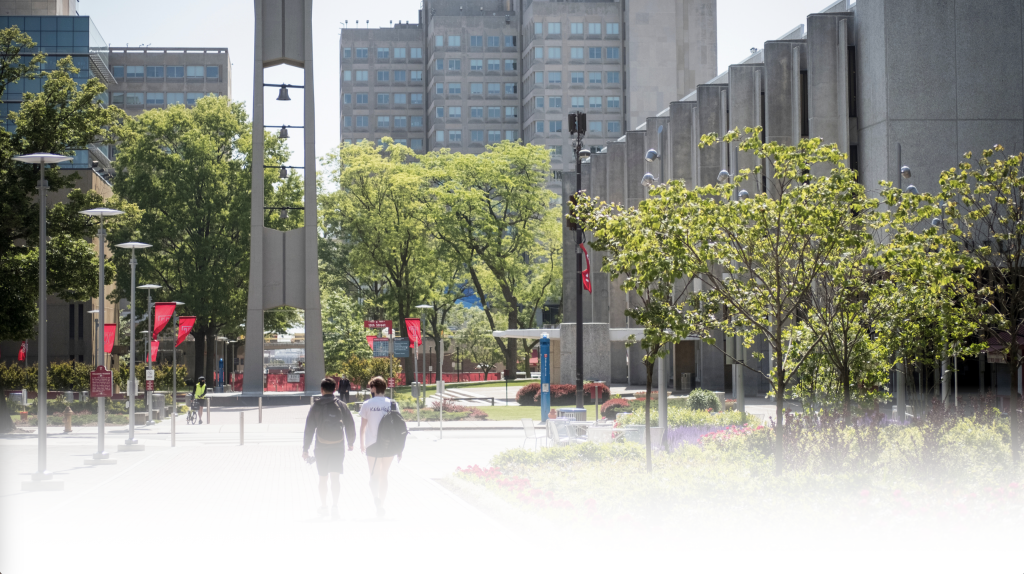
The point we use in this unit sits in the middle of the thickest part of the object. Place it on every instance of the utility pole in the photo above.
(578, 129)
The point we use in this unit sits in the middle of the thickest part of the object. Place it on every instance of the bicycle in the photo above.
(193, 414)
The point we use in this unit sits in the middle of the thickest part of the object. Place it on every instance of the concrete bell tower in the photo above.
(283, 268)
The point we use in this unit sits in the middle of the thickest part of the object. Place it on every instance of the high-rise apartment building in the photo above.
(475, 72)
(147, 78)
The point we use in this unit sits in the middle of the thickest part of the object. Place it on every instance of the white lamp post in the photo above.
(174, 373)
(42, 479)
(131, 443)
(149, 352)
(423, 349)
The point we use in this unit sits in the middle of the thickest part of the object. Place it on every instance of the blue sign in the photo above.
(381, 347)
(402, 348)
(545, 377)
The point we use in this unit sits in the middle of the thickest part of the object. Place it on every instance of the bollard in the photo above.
(67, 419)
(207, 410)
(261, 410)
(241, 429)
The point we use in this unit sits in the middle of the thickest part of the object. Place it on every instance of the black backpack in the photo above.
(391, 432)
(329, 425)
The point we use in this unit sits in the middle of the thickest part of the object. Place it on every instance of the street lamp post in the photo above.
(41, 474)
(423, 382)
(148, 347)
(130, 443)
(578, 129)
(174, 373)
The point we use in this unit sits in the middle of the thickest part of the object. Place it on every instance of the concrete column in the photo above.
(681, 149)
(315, 369)
(635, 193)
(598, 279)
(615, 162)
(711, 116)
(782, 91)
(746, 83)
(596, 361)
(568, 251)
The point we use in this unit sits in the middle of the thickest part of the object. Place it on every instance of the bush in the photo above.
(529, 395)
(614, 407)
(702, 400)
(561, 395)
(562, 456)
(680, 417)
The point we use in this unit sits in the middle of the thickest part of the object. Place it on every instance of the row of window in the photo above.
(475, 136)
(477, 112)
(384, 53)
(160, 72)
(384, 99)
(476, 89)
(611, 102)
(577, 52)
(476, 41)
(576, 28)
(555, 126)
(579, 77)
(400, 122)
(384, 75)
(154, 98)
(455, 65)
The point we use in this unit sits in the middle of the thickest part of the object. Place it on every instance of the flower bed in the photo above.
(561, 395)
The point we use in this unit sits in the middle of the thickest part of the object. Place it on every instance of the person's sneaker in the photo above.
(322, 511)
(200, 421)
(335, 513)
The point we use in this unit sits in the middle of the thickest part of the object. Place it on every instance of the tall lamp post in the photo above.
(174, 373)
(148, 349)
(41, 474)
(578, 129)
(423, 382)
(130, 443)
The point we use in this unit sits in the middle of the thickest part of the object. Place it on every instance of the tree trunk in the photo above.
(647, 415)
(780, 394)
(199, 358)
(211, 357)
(844, 378)
(1015, 401)
(6, 424)
(511, 355)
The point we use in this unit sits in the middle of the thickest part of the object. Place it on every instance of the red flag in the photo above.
(412, 329)
(161, 316)
(23, 351)
(586, 272)
(109, 337)
(153, 347)
(184, 328)
(369, 341)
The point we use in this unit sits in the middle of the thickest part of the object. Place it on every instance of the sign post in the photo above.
(101, 386)
(545, 377)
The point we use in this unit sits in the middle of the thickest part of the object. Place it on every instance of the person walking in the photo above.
(332, 423)
(199, 395)
(344, 388)
(382, 435)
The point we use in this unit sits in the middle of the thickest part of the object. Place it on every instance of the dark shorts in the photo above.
(376, 450)
(329, 458)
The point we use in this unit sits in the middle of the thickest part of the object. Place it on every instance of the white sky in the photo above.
(742, 24)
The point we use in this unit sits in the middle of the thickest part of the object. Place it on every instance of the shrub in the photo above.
(702, 400)
(614, 407)
(680, 417)
(562, 456)
(561, 395)
(529, 395)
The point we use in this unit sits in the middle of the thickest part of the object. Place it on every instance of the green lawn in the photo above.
(512, 386)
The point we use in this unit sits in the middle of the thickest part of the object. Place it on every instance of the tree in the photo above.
(63, 116)
(189, 170)
(344, 335)
(473, 336)
(491, 210)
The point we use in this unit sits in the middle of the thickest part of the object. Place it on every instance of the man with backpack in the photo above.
(330, 420)
(382, 435)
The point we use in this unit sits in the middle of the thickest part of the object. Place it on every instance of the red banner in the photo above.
(109, 337)
(185, 325)
(412, 330)
(586, 272)
(161, 316)
(154, 346)
(369, 341)
(23, 351)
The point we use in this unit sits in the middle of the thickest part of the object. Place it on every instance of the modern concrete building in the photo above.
(147, 78)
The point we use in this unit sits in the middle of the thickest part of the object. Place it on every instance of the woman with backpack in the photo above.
(381, 438)
(330, 420)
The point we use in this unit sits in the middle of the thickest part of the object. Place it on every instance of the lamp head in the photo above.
(584, 154)
(912, 189)
(743, 194)
(648, 181)
(42, 158)
(651, 155)
(149, 286)
(424, 307)
(905, 172)
(936, 222)
(101, 212)
(133, 245)
(723, 176)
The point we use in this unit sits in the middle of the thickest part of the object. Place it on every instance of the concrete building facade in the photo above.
(148, 78)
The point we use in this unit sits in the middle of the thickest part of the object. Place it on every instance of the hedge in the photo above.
(561, 395)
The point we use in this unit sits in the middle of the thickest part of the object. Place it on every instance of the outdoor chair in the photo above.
(531, 432)
(558, 431)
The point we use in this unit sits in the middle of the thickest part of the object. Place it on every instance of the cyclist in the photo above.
(199, 396)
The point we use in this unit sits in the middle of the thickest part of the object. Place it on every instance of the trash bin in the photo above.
(159, 405)
(573, 413)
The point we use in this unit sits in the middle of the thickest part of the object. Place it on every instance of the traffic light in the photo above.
(572, 123)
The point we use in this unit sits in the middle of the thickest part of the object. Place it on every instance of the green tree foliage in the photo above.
(472, 337)
(344, 335)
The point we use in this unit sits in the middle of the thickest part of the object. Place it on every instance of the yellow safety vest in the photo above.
(200, 390)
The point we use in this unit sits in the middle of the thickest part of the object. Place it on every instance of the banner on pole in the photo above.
(185, 325)
(161, 316)
(101, 383)
(412, 329)
(109, 337)
(154, 346)
(23, 351)
(369, 341)
(586, 272)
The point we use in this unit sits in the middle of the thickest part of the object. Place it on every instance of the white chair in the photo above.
(531, 432)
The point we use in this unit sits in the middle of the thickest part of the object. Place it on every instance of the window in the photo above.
(346, 75)
(400, 98)
(554, 27)
(455, 136)
(493, 89)
(347, 54)
(493, 136)
(614, 102)
(383, 121)
(439, 65)
(134, 99)
(439, 113)
(362, 75)
(594, 127)
(439, 136)
(611, 77)
(192, 97)
(175, 71)
(476, 89)
(594, 53)
(539, 126)
(117, 99)
(476, 65)
(595, 77)
(494, 41)
(417, 143)
(611, 28)
(538, 28)
(554, 77)
(346, 121)
(362, 121)
(416, 75)
(511, 88)
(416, 53)
(555, 102)
(154, 71)
(438, 41)
(614, 127)
(538, 77)
(118, 71)
(511, 135)
(555, 53)
(594, 28)
(455, 65)
(416, 121)
(476, 112)
(399, 52)
(510, 41)
(362, 98)
(538, 102)
(493, 65)
(611, 53)
(511, 112)
(362, 52)
(383, 99)
(555, 149)
(476, 136)
(382, 75)
(439, 89)
(595, 102)
(454, 41)
(576, 28)
(576, 53)
(555, 126)
(195, 71)
(576, 102)
(576, 77)
(510, 65)
(476, 41)
(416, 99)
(383, 52)
(136, 72)
(401, 122)
(399, 75)
(155, 99)
(347, 98)
(401, 141)
(494, 112)
(454, 88)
